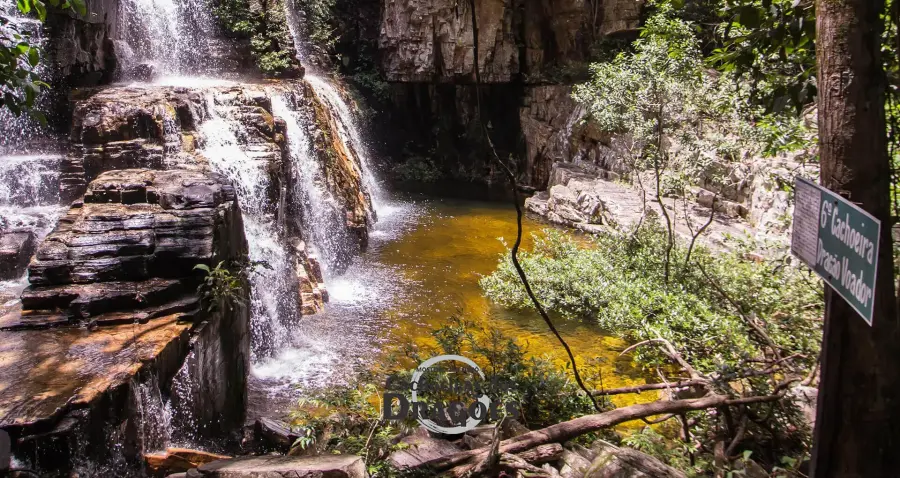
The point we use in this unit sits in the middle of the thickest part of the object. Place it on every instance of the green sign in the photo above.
(839, 241)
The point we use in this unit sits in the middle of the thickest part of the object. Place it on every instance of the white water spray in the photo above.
(173, 37)
(349, 134)
(273, 298)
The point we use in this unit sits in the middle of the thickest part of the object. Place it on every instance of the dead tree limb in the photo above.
(515, 194)
(562, 432)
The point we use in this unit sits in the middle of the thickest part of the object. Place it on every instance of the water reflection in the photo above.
(422, 267)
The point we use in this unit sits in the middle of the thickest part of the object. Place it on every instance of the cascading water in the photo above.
(323, 221)
(29, 201)
(169, 38)
(349, 133)
(273, 301)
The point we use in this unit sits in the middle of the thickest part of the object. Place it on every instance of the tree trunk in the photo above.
(858, 416)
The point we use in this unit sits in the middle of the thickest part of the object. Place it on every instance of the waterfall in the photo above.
(349, 134)
(19, 133)
(323, 221)
(154, 416)
(170, 38)
(273, 297)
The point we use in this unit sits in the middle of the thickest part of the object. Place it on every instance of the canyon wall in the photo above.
(424, 50)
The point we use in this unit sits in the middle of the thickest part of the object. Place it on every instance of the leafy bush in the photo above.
(19, 56)
(719, 310)
(618, 282)
(264, 23)
(345, 419)
(226, 283)
(418, 169)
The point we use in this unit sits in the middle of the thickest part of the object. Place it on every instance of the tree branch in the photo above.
(562, 432)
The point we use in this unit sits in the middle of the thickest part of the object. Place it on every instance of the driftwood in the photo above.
(623, 461)
(525, 461)
(542, 454)
(562, 432)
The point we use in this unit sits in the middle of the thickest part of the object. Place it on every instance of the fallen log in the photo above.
(649, 387)
(562, 432)
(536, 456)
(542, 454)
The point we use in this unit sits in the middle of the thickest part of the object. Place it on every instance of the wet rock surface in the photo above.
(124, 253)
(121, 262)
(16, 248)
(160, 128)
(333, 466)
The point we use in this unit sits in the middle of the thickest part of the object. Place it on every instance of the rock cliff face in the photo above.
(529, 50)
(432, 41)
(82, 49)
(121, 262)
(159, 128)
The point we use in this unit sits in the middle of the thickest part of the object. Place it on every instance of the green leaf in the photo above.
(41, 9)
(202, 267)
(79, 7)
(33, 56)
(24, 6)
(40, 117)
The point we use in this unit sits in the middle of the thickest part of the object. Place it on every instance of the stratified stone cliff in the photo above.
(432, 40)
(121, 263)
(526, 47)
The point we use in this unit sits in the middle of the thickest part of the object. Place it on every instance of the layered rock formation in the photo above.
(121, 262)
(432, 41)
(425, 52)
(159, 128)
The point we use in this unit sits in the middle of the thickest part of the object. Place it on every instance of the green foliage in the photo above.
(264, 23)
(545, 392)
(319, 18)
(225, 285)
(619, 284)
(708, 311)
(678, 118)
(20, 83)
(682, 121)
(419, 169)
(348, 419)
(771, 45)
(675, 453)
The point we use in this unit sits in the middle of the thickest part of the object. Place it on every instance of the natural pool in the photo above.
(423, 265)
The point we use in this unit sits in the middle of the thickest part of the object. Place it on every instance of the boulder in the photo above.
(331, 466)
(421, 448)
(127, 252)
(121, 262)
(176, 460)
(16, 249)
(274, 434)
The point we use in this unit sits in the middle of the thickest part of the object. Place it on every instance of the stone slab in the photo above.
(330, 466)
(45, 373)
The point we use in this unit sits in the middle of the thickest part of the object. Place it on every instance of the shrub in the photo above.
(618, 282)
(724, 312)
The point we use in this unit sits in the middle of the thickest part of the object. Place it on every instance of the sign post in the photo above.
(839, 241)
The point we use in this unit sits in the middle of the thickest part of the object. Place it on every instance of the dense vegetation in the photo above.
(20, 82)
(346, 419)
(725, 313)
(264, 23)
